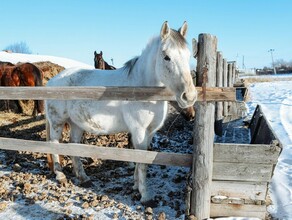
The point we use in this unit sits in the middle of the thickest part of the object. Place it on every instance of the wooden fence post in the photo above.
(204, 129)
(234, 73)
(194, 47)
(229, 75)
(219, 105)
(225, 82)
(229, 84)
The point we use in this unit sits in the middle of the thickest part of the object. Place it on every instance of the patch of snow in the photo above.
(19, 57)
(276, 101)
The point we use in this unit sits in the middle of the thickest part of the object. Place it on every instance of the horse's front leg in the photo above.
(140, 141)
(75, 137)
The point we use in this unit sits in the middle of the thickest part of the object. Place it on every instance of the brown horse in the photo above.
(24, 74)
(99, 62)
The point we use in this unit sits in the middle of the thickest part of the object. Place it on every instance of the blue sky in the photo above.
(121, 29)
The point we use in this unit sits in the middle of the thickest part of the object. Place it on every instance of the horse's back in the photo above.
(29, 74)
(102, 117)
(86, 77)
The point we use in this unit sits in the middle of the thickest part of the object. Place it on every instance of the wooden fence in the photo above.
(240, 173)
(227, 179)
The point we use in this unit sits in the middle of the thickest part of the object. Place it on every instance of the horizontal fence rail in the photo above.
(105, 153)
(111, 93)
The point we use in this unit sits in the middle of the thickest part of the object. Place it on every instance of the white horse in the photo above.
(164, 62)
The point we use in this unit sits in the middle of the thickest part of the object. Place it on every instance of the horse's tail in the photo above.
(38, 74)
(49, 156)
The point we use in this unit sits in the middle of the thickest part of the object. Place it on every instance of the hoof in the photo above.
(135, 187)
(150, 203)
(62, 180)
(87, 184)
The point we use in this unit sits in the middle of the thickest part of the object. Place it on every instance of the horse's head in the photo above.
(173, 66)
(98, 61)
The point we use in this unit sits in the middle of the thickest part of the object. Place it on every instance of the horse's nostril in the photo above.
(184, 97)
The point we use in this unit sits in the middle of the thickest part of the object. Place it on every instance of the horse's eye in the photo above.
(167, 58)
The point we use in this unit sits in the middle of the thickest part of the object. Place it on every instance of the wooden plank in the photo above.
(109, 93)
(255, 211)
(242, 172)
(106, 153)
(246, 153)
(204, 130)
(255, 123)
(260, 129)
(245, 190)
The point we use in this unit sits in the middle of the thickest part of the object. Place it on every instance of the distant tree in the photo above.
(281, 63)
(20, 47)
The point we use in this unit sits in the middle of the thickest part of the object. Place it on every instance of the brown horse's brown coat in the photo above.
(23, 74)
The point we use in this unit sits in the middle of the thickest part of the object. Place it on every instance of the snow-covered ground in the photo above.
(276, 100)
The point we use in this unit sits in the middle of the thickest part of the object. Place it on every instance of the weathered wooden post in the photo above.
(219, 105)
(234, 75)
(195, 48)
(225, 82)
(229, 84)
(204, 129)
(229, 74)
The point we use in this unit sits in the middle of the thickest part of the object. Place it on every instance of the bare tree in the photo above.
(20, 47)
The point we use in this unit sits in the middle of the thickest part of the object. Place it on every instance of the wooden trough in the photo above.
(245, 171)
(241, 174)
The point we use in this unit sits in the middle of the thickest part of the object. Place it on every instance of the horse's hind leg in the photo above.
(55, 134)
(75, 137)
(6, 103)
(38, 107)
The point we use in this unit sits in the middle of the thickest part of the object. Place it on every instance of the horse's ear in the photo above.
(183, 30)
(101, 53)
(94, 53)
(165, 31)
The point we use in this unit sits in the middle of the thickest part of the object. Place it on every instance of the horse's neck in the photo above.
(106, 66)
(144, 71)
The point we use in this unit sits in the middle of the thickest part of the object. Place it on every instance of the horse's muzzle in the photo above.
(187, 99)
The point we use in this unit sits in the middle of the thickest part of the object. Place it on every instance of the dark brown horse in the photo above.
(24, 74)
(99, 62)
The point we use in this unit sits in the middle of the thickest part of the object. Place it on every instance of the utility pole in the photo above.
(273, 64)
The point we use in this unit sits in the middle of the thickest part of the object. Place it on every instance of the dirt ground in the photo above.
(28, 169)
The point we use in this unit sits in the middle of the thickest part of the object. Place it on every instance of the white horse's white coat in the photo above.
(164, 62)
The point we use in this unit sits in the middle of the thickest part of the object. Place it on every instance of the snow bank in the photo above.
(19, 57)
